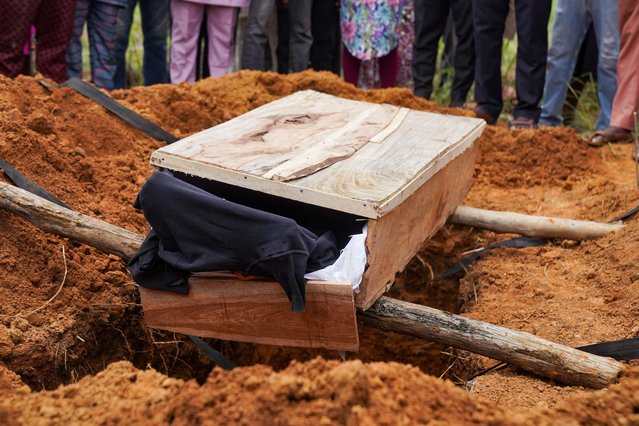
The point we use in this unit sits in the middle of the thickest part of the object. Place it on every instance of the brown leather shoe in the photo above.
(610, 135)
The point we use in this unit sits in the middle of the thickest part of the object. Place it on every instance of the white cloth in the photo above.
(349, 266)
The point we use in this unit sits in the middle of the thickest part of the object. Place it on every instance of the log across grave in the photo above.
(401, 171)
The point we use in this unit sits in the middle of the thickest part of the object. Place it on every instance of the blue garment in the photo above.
(571, 24)
(155, 28)
(100, 17)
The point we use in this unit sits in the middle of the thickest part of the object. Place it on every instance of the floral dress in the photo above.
(369, 27)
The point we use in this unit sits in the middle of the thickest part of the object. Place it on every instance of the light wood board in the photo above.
(256, 312)
(397, 236)
(352, 156)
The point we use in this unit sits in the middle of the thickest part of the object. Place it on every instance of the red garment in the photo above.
(54, 23)
(388, 68)
(626, 101)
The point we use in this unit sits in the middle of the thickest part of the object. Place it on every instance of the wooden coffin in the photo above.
(404, 171)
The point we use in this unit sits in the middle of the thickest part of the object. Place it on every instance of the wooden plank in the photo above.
(257, 312)
(385, 174)
(376, 178)
(337, 146)
(392, 126)
(276, 139)
(397, 236)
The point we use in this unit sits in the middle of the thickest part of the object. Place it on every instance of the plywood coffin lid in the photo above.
(352, 156)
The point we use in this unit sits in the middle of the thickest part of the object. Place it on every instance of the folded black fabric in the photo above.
(196, 231)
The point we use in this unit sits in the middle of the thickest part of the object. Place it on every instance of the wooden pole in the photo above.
(531, 226)
(68, 223)
(542, 357)
(524, 350)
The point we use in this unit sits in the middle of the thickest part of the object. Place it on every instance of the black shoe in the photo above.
(480, 113)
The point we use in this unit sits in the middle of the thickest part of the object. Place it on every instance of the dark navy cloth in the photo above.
(196, 231)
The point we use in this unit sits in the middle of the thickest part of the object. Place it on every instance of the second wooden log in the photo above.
(562, 363)
(531, 226)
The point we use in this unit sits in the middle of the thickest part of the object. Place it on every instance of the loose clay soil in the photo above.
(87, 357)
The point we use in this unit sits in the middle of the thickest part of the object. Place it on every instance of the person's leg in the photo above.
(101, 24)
(325, 30)
(464, 62)
(221, 28)
(122, 30)
(626, 101)
(568, 32)
(74, 50)
(16, 18)
(54, 26)
(430, 19)
(350, 65)
(255, 38)
(283, 43)
(388, 68)
(300, 39)
(605, 17)
(532, 50)
(201, 59)
(585, 70)
(156, 21)
(489, 18)
(186, 19)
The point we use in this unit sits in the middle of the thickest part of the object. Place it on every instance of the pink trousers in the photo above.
(626, 101)
(185, 29)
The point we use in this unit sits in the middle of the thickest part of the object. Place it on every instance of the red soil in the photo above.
(572, 293)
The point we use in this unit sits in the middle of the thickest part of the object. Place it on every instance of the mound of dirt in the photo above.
(314, 392)
(188, 108)
(525, 158)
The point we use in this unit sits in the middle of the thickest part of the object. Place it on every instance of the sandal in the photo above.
(610, 135)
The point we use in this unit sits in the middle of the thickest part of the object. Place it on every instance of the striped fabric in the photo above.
(101, 19)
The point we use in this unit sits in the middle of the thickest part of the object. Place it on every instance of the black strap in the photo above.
(23, 183)
(215, 356)
(518, 242)
(133, 118)
(621, 350)
(627, 214)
